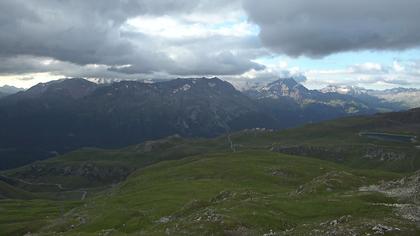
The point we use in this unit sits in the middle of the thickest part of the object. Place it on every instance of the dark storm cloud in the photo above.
(78, 33)
(91, 32)
(224, 63)
(207, 60)
(318, 28)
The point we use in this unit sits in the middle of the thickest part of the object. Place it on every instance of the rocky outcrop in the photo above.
(339, 153)
(150, 146)
(335, 153)
(328, 182)
(406, 190)
(378, 153)
(89, 171)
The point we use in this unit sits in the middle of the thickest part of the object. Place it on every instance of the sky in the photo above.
(373, 44)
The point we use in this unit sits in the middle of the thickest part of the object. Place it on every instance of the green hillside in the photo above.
(253, 182)
(338, 141)
(90, 167)
(341, 141)
(9, 191)
(246, 193)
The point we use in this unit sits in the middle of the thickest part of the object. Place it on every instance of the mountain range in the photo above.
(343, 103)
(405, 97)
(8, 90)
(60, 116)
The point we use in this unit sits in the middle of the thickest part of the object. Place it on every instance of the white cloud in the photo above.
(398, 67)
(273, 70)
(177, 28)
(152, 37)
(27, 80)
(369, 75)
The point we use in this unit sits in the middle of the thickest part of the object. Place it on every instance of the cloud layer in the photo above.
(323, 27)
(102, 33)
(141, 39)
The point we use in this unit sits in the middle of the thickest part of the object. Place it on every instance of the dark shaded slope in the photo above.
(61, 116)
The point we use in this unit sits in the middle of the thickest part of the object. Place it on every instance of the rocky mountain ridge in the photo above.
(64, 115)
(8, 90)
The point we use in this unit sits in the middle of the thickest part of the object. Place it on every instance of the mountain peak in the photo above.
(286, 84)
(7, 90)
(203, 83)
(290, 82)
(284, 87)
(72, 87)
(201, 80)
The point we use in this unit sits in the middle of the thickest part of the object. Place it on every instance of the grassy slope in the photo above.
(90, 167)
(247, 192)
(96, 167)
(253, 191)
(9, 191)
(19, 217)
(337, 132)
(343, 134)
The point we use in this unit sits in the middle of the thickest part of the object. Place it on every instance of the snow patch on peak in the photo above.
(344, 89)
(184, 88)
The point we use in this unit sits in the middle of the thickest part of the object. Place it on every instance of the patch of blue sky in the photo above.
(344, 59)
(232, 23)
